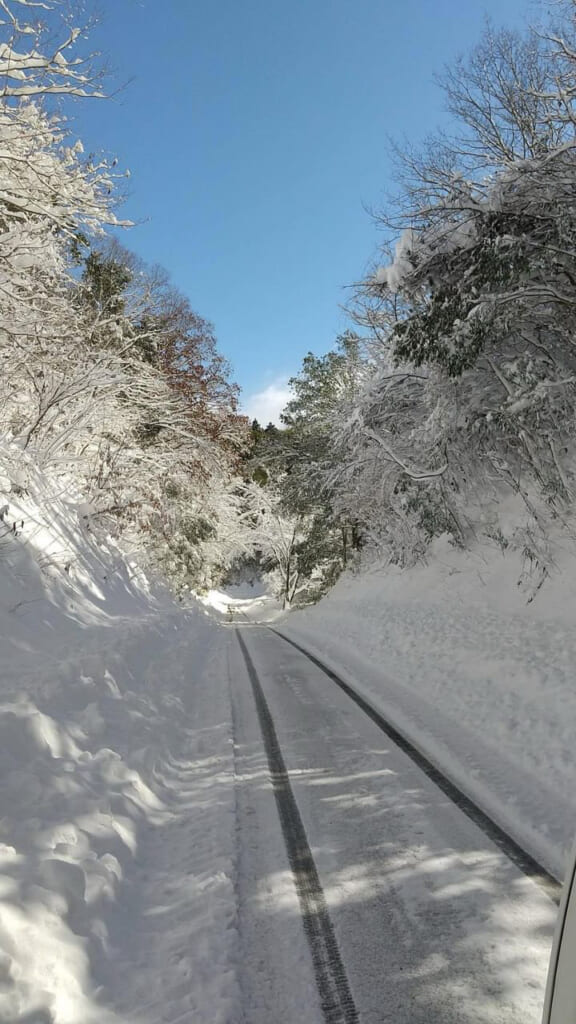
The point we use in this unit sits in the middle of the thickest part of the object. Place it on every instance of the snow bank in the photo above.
(116, 781)
(484, 681)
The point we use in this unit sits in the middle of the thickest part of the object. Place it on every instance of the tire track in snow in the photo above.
(333, 988)
(523, 860)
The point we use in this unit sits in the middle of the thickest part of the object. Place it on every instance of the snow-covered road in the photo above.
(193, 832)
(433, 923)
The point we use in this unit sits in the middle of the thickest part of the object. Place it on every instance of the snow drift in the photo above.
(116, 795)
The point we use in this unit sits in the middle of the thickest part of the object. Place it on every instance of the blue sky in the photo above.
(256, 133)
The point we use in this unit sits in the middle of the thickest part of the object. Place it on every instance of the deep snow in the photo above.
(117, 846)
(479, 675)
(124, 791)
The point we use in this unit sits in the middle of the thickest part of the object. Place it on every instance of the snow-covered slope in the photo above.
(479, 674)
(116, 780)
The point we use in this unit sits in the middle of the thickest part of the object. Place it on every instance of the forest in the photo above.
(452, 390)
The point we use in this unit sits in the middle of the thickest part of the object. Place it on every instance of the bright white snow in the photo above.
(481, 679)
(242, 604)
(124, 894)
(117, 784)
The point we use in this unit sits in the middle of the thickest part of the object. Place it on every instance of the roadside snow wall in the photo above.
(483, 677)
(116, 780)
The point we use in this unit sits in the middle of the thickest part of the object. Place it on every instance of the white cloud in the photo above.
(266, 405)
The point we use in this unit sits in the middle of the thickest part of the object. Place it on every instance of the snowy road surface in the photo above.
(431, 921)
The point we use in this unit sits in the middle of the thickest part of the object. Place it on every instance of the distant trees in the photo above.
(300, 536)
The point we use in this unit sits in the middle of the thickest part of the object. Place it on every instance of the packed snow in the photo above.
(435, 924)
